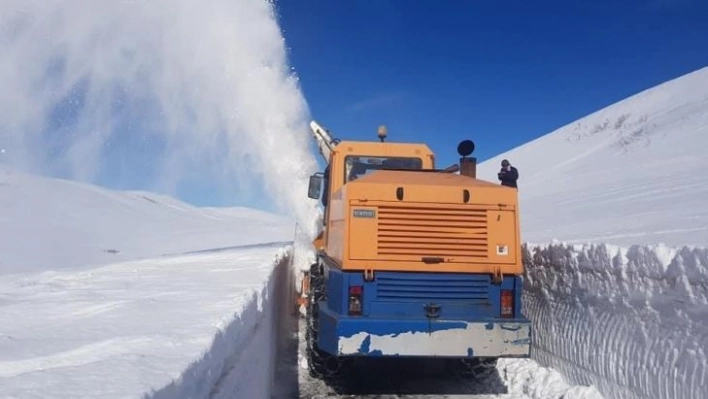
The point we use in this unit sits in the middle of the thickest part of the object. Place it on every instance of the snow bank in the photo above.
(526, 379)
(241, 362)
(201, 325)
(631, 321)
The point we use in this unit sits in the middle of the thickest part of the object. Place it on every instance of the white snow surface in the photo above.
(631, 173)
(48, 223)
(188, 307)
(200, 325)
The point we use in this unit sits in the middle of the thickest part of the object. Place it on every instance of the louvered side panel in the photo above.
(432, 232)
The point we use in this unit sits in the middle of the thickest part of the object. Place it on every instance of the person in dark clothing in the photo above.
(508, 174)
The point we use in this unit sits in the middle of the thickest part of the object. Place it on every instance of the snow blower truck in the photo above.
(412, 261)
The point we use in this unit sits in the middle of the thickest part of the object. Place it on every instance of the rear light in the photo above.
(507, 303)
(355, 292)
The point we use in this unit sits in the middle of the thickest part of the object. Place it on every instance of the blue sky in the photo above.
(499, 72)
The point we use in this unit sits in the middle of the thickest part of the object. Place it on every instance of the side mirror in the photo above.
(315, 186)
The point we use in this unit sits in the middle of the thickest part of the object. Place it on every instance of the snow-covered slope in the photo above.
(188, 326)
(631, 173)
(52, 224)
(197, 316)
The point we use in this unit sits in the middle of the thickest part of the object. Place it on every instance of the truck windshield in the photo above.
(356, 166)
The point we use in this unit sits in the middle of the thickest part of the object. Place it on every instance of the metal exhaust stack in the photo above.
(468, 166)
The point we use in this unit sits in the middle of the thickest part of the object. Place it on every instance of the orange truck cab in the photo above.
(412, 260)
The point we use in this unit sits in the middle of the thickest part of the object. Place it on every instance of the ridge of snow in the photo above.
(630, 173)
(50, 224)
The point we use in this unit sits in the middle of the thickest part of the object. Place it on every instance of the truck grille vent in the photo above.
(428, 231)
(439, 288)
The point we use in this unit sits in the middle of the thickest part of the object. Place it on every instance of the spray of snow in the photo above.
(632, 322)
(175, 91)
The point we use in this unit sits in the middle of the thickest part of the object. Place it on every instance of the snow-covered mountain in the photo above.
(631, 173)
(50, 223)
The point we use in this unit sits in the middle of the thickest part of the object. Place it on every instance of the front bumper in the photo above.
(370, 336)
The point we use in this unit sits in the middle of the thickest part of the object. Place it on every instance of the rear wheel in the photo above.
(479, 367)
(320, 363)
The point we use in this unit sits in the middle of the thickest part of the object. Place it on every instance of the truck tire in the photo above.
(478, 368)
(320, 364)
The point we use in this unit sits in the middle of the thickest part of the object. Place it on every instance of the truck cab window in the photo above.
(356, 166)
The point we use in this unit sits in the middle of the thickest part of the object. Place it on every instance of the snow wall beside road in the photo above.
(241, 361)
(631, 321)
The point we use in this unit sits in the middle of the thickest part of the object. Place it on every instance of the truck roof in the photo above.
(429, 187)
(388, 148)
(423, 178)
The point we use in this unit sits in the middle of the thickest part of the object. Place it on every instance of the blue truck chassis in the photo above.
(457, 316)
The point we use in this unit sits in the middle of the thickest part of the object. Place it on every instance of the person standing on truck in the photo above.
(508, 174)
